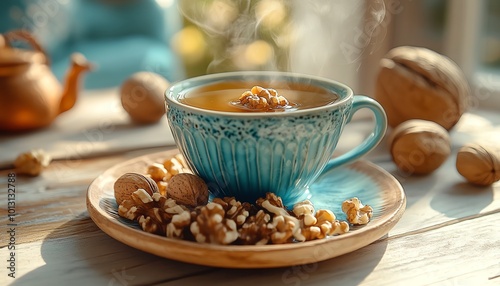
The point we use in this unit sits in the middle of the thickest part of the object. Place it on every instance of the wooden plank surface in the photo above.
(461, 251)
(449, 235)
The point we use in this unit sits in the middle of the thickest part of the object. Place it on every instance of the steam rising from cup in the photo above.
(323, 38)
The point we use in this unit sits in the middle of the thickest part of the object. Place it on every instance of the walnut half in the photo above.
(356, 212)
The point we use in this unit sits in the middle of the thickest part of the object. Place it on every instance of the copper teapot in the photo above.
(30, 95)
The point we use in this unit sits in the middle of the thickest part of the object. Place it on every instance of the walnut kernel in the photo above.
(356, 212)
(211, 226)
(255, 230)
(152, 212)
(32, 163)
(157, 172)
(234, 209)
(262, 98)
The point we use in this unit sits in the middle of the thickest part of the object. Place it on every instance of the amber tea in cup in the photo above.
(223, 96)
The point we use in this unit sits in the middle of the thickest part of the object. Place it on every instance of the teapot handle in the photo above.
(24, 35)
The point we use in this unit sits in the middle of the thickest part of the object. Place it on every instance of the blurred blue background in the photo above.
(119, 36)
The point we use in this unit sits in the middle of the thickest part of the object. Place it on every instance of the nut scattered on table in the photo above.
(128, 183)
(418, 83)
(32, 163)
(419, 146)
(479, 163)
(142, 96)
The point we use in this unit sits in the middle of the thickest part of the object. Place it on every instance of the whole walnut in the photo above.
(188, 189)
(128, 183)
(142, 96)
(479, 163)
(419, 146)
(418, 83)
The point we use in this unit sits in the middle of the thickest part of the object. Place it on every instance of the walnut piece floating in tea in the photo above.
(263, 98)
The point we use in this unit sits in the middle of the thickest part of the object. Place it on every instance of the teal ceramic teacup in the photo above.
(246, 155)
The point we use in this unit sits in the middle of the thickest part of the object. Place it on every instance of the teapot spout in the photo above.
(79, 64)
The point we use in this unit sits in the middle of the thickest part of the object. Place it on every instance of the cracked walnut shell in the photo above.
(418, 83)
(128, 183)
(479, 163)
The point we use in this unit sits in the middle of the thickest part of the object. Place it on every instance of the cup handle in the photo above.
(359, 102)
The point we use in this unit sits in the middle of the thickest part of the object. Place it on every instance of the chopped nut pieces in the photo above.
(180, 222)
(285, 226)
(234, 209)
(262, 98)
(153, 212)
(356, 212)
(255, 230)
(319, 225)
(157, 172)
(228, 221)
(32, 163)
(183, 211)
(174, 166)
(305, 211)
(162, 173)
(211, 226)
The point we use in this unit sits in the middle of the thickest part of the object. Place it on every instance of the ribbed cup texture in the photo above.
(247, 157)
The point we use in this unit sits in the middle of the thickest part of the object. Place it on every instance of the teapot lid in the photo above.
(16, 57)
(10, 56)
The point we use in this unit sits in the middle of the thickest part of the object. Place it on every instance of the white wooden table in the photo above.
(448, 235)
